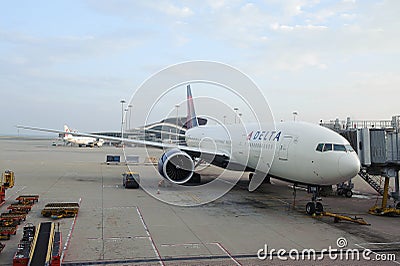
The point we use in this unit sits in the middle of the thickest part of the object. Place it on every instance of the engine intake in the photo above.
(176, 166)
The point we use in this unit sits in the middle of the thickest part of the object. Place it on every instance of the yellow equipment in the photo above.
(384, 209)
(58, 210)
(7, 181)
(338, 217)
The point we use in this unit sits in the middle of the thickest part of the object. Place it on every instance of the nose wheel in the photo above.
(314, 206)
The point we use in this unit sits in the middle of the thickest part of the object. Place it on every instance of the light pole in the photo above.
(176, 122)
(126, 119)
(122, 120)
(295, 113)
(235, 109)
(224, 119)
(240, 118)
(130, 115)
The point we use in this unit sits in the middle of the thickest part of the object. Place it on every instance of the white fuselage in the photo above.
(80, 140)
(287, 151)
(83, 141)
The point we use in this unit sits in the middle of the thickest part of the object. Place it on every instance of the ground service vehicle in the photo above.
(130, 180)
(58, 210)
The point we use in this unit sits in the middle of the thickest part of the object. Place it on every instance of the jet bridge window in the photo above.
(338, 147)
(327, 147)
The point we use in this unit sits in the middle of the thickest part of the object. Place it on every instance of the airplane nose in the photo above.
(349, 166)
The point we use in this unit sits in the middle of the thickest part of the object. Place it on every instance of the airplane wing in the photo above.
(220, 157)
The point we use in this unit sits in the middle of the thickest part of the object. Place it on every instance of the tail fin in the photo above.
(191, 120)
(66, 130)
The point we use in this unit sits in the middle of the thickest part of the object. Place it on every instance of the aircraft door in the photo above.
(284, 148)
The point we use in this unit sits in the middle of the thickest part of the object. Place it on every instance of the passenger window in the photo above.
(320, 146)
(328, 147)
(338, 147)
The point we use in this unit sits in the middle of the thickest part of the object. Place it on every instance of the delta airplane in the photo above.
(296, 152)
(81, 141)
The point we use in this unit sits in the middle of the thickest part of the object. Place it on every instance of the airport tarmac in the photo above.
(118, 226)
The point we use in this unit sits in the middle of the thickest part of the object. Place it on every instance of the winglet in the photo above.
(191, 120)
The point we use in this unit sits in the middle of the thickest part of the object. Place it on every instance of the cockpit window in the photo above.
(320, 146)
(338, 147)
(327, 147)
(349, 148)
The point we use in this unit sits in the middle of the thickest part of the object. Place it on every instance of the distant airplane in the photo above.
(302, 153)
(81, 141)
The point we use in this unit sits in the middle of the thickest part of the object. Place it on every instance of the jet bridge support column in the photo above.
(396, 193)
(384, 209)
(385, 195)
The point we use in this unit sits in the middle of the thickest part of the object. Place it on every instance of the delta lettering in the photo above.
(264, 135)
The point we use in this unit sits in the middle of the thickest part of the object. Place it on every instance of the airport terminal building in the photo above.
(171, 129)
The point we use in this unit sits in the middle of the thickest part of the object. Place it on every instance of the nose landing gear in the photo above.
(314, 206)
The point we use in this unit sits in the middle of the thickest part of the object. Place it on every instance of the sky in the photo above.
(73, 61)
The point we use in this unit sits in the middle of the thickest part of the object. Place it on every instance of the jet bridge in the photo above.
(377, 143)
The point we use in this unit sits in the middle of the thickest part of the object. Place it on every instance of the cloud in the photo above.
(171, 9)
(216, 4)
(296, 62)
(138, 9)
(278, 27)
(46, 51)
(318, 48)
(293, 8)
(240, 25)
(16, 38)
(347, 16)
(369, 82)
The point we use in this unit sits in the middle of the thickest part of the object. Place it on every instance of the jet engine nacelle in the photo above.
(176, 166)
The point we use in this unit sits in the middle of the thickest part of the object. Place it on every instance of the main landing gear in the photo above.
(314, 206)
